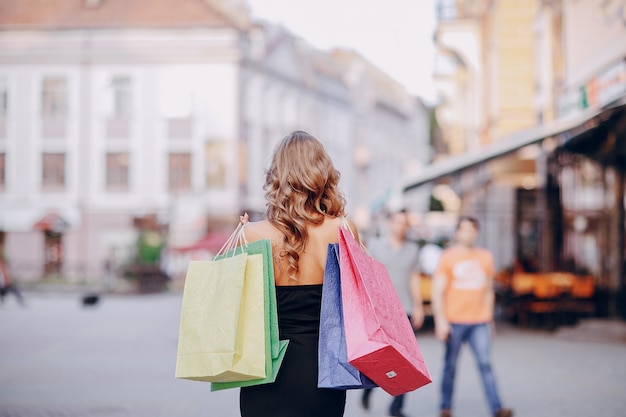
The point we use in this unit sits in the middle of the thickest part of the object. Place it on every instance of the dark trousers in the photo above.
(4, 291)
(396, 404)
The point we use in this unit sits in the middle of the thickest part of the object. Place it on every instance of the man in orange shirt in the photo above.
(462, 301)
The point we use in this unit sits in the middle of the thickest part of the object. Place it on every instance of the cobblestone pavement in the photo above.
(117, 359)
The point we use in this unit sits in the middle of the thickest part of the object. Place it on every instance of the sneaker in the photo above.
(504, 412)
(446, 413)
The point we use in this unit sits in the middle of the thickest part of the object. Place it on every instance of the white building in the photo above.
(291, 86)
(110, 111)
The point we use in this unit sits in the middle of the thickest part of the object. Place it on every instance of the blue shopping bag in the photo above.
(334, 370)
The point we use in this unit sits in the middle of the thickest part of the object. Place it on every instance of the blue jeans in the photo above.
(479, 338)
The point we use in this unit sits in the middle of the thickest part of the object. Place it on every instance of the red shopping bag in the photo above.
(379, 338)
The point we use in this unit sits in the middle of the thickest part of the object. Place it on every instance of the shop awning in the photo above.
(568, 128)
(606, 142)
(52, 222)
(27, 219)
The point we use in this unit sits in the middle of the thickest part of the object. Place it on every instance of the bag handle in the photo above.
(346, 225)
(236, 240)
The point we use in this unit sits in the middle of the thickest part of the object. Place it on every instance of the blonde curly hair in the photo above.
(301, 186)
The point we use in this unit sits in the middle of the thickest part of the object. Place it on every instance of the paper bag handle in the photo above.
(236, 240)
(346, 225)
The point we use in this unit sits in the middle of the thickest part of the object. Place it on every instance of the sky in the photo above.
(395, 35)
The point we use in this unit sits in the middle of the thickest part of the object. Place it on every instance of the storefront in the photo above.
(590, 172)
(551, 199)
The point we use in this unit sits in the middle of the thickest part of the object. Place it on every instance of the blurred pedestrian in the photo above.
(401, 259)
(304, 212)
(463, 302)
(6, 285)
(110, 270)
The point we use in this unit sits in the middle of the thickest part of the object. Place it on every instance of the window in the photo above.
(120, 99)
(179, 171)
(4, 106)
(54, 98)
(3, 171)
(4, 97)
(215, 164)
(53, 171)
(120, 87)
(117, 165)
(54, 107)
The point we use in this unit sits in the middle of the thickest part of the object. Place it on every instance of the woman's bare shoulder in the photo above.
(258, 230)
(329, 228)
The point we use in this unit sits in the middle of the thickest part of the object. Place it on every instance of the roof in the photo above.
(76, 14)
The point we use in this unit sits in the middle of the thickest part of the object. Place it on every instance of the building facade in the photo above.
(114, 115)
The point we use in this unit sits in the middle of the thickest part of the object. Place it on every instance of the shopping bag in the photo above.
(334, 371)
(274, 348)
(379, 338)
(221, 335)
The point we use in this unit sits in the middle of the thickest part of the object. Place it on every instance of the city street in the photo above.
(58, 358)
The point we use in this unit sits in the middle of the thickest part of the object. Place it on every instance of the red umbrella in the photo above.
(52, 222)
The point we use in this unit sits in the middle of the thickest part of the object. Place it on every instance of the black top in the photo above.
(295, 392)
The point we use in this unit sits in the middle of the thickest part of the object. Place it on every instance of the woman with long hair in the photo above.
(304, 211)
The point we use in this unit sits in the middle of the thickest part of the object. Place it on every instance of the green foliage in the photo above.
(149, 247)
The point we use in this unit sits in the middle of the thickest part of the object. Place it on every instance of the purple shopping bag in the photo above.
(334, 371)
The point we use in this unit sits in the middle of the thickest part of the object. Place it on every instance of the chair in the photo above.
(547, 303)
(523, 283)
(522, 286)
(581, 302)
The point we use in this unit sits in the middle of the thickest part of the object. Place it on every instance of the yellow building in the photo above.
(484, 71)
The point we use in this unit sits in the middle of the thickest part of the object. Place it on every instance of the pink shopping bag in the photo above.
(379, 338)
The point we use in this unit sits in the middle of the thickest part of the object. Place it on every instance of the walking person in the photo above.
(110, 270)
(463, 302)
(401, 259)
(7, 286)
(304, 212)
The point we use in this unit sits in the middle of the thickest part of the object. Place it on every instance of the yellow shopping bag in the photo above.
(274, 348)
(222, 323)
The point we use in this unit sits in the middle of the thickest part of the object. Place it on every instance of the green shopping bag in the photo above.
(275, 349)
(222, 325)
